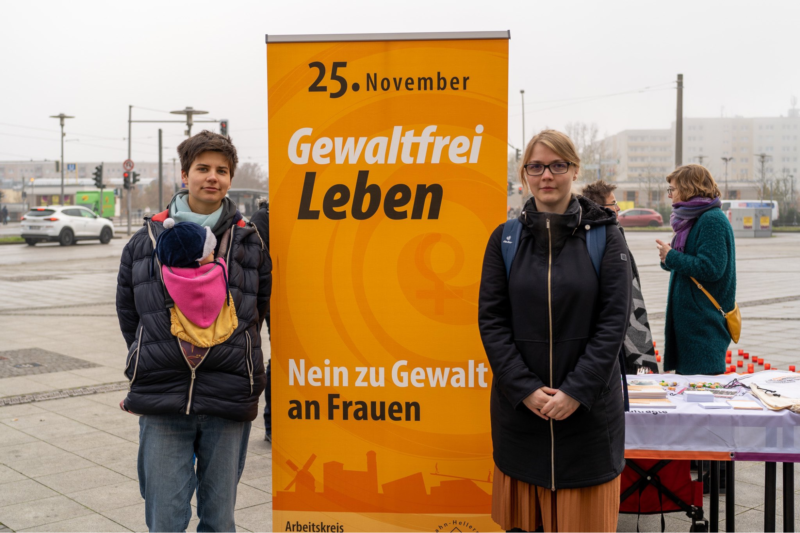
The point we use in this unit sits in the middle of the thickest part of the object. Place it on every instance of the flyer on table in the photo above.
(387, 167)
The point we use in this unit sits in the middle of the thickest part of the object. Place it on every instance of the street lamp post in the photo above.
(522, 94)
(61, 117)
(189, 112)
(727, 160)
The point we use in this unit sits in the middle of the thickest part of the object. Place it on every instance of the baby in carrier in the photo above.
(203, 313)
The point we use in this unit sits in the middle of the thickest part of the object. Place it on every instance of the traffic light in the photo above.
(98, 176)
(134, 178)
(126, 180)
(223, 127)
(519, 153)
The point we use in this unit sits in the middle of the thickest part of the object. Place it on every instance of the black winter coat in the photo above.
(260, 220)
(161, 379)
(575, 352)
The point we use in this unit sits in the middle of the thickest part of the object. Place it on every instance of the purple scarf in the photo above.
(684, 215)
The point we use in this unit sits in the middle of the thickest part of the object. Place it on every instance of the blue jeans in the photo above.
(268, 400)
(168, 445)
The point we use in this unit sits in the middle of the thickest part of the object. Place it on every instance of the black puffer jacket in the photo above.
(162, 381)
(577, 353)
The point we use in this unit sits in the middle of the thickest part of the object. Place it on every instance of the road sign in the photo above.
(127, 164)
(70, 167)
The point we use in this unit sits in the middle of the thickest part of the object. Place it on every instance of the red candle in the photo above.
(746, 355)
(766, 366)
(750, 368)
(728, 359)
(658, 358)
(741, 351)
(656, 352)
(728, 353)
(760, 361)
(740, 363)
(654, 344)
(791, 368)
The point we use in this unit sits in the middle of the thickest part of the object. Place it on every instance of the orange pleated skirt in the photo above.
(516, 504)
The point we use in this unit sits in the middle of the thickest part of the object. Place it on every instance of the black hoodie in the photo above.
(552, 274)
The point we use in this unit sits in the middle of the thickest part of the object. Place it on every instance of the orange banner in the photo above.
(387, 166)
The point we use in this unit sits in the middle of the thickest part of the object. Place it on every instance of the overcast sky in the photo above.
(92, 59)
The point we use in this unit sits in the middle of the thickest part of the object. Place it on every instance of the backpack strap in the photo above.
(508, 246)
(596, 244)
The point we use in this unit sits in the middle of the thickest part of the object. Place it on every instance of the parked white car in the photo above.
(65, 224)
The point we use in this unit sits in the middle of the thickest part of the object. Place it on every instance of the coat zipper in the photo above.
(550, 315)
(250, 367)
(136, 365)
(193, 369)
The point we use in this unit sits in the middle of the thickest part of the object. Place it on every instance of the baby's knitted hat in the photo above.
(183, 244)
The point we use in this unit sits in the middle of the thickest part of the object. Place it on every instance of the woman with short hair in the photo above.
(696, 333)
(196, 402)
(552, 321)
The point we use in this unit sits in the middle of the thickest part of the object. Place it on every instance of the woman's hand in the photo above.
(536, 401)
(663, 249)
(560, 405)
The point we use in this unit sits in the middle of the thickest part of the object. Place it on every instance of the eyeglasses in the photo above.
(670, 190)
(537, 169)
(612, 204)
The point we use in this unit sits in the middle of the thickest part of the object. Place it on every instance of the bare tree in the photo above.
(652, 182)
(250, 176)
(515, 197)
(512, 169)
(781, 189)
(590, 149)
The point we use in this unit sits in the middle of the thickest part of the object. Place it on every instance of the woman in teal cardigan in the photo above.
(696, 333)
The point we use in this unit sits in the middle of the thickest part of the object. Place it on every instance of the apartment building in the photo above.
(645, 157)
(637, 161)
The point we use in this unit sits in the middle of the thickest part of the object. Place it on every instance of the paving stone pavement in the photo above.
(37, 361)
(69, 464)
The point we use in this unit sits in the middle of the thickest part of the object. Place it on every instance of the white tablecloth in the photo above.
(690, 427)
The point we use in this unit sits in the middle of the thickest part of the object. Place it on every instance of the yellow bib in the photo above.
(216, 333)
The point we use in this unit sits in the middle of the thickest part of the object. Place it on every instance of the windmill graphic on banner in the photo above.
(360, 491)
(303, 478)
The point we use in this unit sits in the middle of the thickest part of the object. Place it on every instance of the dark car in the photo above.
(640, 217)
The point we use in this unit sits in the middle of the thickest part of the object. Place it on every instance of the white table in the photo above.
(692, 432)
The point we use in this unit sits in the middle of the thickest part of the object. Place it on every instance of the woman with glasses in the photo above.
(696, 333)
(552, 326)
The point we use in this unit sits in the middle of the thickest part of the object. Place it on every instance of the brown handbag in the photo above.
(733, 317)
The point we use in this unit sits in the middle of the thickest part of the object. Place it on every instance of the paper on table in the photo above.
(714, 405)
(745, 404)
(653, 403)
(646, 391)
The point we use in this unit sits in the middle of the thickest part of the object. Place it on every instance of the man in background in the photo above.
(261, 221)
(638, 346)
